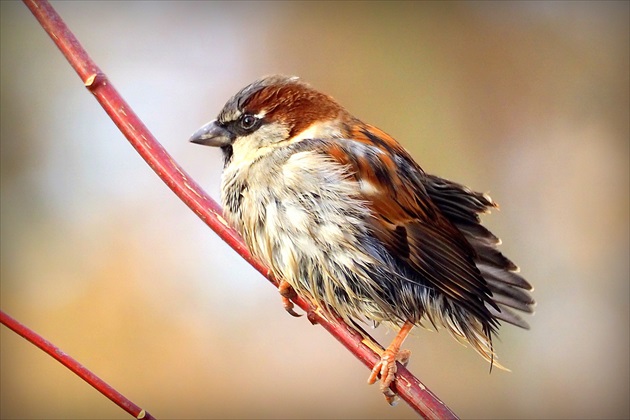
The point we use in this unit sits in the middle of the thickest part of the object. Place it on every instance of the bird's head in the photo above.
(271, 111)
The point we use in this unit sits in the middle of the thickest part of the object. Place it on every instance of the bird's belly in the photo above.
(295, 238)
(304, 218)
(319, 248)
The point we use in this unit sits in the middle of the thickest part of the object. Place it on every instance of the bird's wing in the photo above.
(408, 223)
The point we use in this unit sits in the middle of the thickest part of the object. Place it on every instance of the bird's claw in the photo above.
(288, 306)
(287, 293)
(386, 369)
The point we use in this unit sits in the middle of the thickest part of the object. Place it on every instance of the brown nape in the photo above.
(296, 104)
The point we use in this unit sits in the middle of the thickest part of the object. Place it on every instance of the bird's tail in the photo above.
(462, 207)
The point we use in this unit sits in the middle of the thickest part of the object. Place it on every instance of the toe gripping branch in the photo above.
(287, 293)
(386, 368)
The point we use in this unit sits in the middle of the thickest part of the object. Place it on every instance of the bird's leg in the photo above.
(287, 293)
(386, 367)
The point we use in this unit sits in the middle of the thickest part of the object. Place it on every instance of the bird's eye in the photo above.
(248, 122)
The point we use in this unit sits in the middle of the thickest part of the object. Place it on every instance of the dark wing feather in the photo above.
(462, 207)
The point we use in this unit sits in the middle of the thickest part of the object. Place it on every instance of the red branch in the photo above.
(410, 389)
(75, 367)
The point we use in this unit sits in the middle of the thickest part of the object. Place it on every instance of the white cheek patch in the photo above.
(247, 149)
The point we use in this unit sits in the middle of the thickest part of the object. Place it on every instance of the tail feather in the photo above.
(509, 316)
(489, 254)
(462, 207)
(512, 296)
(498, 275)
(480, 233)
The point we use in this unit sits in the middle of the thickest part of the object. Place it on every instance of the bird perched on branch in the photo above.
(342, 215)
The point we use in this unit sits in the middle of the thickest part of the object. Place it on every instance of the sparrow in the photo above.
(344, 216)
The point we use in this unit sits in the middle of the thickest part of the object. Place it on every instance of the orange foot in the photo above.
(386, 367)
(386, 370)
(287, 293)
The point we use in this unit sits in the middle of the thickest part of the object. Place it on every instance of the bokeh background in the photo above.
(528, 101)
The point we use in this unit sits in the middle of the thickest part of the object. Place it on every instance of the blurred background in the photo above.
(528, 101)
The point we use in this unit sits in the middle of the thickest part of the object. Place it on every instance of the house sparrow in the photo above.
(342, 215)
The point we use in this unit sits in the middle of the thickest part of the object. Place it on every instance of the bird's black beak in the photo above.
(212, 134)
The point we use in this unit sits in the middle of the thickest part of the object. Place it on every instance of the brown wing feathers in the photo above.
(433, 224)
(410, 225)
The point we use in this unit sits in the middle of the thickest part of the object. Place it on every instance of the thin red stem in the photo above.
(75, 367)
(406, 385)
